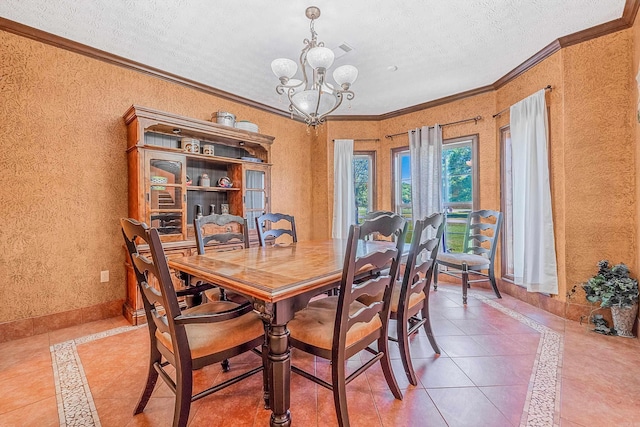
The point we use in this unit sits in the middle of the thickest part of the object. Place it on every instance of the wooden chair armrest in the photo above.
(185, 319)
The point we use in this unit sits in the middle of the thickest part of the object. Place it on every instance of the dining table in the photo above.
(279, 280)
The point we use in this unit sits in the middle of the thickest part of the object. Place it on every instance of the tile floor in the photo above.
(503, 363)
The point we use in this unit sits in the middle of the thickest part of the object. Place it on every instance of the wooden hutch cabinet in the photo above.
(167, 183)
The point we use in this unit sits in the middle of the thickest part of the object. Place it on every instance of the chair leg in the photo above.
(385, 362)
(427, 326)
(340, 392)
(152, 378)
(403, 343)
(435, 277)
(465, 281)
(492, 279)
(184, 388)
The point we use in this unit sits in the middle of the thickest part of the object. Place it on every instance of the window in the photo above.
(401, 190)
(459, 185)
(506, 202)
(402, 182)
(364, 172)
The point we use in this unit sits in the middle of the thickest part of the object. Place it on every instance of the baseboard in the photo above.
(23, 328)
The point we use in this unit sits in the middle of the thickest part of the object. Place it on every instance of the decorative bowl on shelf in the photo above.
(158, 180)
(247, 125)
(225, 182)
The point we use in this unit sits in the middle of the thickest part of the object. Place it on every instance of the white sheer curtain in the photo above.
(425, 149)
(344, 200)
(534, 251)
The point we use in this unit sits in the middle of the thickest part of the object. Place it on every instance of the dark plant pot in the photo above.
(623, 318)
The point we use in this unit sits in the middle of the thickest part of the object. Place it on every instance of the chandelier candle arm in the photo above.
(313, 98)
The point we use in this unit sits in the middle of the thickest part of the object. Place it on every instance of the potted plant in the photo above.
(613, 287)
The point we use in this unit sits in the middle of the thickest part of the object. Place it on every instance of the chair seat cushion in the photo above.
(213, 294)
(314, 324)
(208, 338)
(395, 297)
(456, 259)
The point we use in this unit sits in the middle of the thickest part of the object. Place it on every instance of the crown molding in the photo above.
(436, 102)
(627, 20)
(537, 58)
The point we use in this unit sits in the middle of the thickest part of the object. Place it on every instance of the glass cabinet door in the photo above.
(255, 197)
(165, 193)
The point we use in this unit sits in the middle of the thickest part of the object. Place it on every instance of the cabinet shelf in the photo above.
(211, 159)
(198, 188)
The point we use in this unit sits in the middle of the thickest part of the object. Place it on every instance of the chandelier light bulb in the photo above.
(284, 68)
(345, 75)
(320, 57)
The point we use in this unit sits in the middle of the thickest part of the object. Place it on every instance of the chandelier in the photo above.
(313, 98)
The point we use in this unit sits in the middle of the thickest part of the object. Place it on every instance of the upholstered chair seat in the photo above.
(209, 338)
(470, 259)
(314, 325)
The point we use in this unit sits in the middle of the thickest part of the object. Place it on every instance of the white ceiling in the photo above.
(441, 47)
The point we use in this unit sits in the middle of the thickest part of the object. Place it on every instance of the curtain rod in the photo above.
(361, 139)
(473, 119)
(547, 87)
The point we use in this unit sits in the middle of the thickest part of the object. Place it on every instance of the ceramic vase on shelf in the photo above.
(205, 181)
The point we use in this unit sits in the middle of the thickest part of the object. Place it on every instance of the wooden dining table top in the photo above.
(274, 273)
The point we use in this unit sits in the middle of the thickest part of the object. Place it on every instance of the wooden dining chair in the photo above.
(190, 339)
(225, 231)
(409, 304)
(265, 230)
(220, 232)
(478, 252)
(375, 214)
(338, 327)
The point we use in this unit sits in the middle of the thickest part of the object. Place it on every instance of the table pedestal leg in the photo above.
(279, 375)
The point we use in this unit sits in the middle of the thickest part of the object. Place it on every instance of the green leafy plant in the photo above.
(612, 286)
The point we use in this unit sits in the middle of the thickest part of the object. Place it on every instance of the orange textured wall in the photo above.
(64, 171)
(599, 159)
(635, 102)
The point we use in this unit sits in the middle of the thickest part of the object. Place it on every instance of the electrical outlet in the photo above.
(104, 276)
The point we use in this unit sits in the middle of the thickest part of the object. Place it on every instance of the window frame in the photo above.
(504, 261)
(372, 176)
(394, 152)
(475, 167)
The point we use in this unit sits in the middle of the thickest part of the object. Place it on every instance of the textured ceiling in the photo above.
(440, 47)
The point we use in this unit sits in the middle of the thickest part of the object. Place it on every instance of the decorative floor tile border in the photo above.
(75, 402)
(542, 405)
(541, 409)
